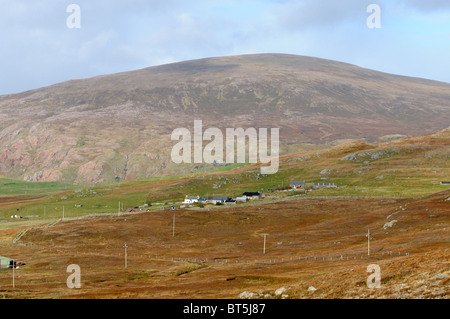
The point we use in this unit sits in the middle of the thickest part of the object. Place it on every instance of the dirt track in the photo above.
(219, 253)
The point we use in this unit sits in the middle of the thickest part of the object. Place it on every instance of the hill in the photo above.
(94, 130)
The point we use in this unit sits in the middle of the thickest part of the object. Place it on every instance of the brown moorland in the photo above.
(317, 243)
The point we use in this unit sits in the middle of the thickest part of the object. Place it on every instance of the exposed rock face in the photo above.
(92, 130)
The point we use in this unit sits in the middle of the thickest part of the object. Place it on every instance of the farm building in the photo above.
(241, 199)
(218, 199)
(4, 262)
(445, 183)
(191, 199)
(252, 195)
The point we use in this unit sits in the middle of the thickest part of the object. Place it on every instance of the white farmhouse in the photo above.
(191, 199)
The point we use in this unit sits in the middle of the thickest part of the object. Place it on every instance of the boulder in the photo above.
(247, 295)
(280, 291)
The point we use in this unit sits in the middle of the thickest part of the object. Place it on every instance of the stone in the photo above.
(390, 224)
(280, 291)
(246, 295)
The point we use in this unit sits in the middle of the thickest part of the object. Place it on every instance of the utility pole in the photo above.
(173, 226)
(368, 242)
(13, 262)
(118, 211)
(125, 246)
(264, 248)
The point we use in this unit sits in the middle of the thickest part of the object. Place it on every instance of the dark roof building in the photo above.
(251, 194)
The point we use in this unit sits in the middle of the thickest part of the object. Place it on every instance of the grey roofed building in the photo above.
(222, 198)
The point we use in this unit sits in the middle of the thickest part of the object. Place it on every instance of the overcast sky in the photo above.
(37, 48)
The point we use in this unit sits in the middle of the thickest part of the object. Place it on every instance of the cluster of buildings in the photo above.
(225, 200)
(189, 200)
(247, 196)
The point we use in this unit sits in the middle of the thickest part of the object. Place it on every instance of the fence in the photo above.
(23, 232)
(276, 260)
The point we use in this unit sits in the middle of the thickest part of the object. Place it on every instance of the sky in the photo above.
(43, 43)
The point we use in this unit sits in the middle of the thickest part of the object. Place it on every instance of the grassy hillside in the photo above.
(410, 167)
(9, 186)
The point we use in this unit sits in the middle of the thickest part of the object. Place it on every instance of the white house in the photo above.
(191, 199)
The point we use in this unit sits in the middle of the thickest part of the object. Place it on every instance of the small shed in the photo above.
(4, 262)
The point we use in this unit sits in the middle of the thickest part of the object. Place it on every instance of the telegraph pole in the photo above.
(13, 262)
(368, 242)
(264, 248)
(125, 246)
(173, 226)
